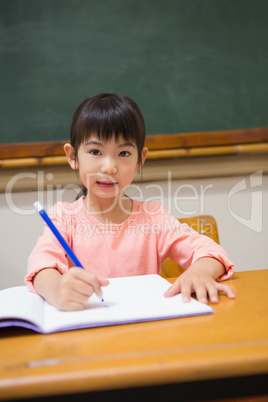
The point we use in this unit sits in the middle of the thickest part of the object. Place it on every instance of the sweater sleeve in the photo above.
(48, 253)
(185, 246)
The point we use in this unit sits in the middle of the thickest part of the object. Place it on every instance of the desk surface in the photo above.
(231, 342)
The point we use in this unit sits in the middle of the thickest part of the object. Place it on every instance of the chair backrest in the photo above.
(203, 224)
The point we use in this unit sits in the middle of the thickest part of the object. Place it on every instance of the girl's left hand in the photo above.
(199, 278)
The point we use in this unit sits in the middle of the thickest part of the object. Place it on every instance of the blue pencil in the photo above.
(62, 241)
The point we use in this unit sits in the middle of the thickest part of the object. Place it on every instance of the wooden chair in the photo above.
(203, 224)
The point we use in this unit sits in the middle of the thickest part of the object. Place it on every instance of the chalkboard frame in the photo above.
(166, 146)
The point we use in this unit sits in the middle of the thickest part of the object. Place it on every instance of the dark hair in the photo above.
(107, 115)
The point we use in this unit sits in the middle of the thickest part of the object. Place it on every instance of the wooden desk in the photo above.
(233, 342)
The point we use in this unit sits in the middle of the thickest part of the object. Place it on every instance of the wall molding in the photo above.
(229, 142)
(47, 177)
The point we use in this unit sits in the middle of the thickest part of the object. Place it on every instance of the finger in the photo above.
(79, 297)
(70, 299)
(75, 301)
(174, 289)
(82, 288)
(201, 293)
(90, 279)
(103, 281)
(221, 287)
(75, 283)
(213, 293)
(186, 290)
(96, 284)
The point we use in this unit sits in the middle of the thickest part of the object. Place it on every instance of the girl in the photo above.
(112, 234)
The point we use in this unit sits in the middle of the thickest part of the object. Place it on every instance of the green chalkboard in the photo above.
(191, 65)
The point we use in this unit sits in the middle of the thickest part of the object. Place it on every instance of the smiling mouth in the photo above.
(107, 184)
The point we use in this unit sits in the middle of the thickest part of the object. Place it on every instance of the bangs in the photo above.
(106, 125)
(108, 116)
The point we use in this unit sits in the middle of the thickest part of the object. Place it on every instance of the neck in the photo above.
(111, 210)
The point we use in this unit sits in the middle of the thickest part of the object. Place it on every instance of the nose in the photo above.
(109, 166)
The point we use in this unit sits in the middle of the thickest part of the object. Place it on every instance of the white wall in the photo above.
(242, 222)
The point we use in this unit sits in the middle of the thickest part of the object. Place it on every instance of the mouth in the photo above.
(107, 184)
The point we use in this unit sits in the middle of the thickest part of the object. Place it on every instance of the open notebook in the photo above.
(126, 300)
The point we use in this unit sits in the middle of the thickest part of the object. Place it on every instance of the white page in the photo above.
(19, 303)
(129, 299)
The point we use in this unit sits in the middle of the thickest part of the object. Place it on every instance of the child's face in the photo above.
(107, 168)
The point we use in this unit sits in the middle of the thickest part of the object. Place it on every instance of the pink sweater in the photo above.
(138, 246)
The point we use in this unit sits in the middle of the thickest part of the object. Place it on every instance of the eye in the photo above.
(124, 153)
(95, 152)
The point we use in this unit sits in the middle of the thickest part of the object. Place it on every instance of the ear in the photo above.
(70, 155)
(143, 157)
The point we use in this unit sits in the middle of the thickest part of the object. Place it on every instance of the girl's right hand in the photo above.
(70, 291)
